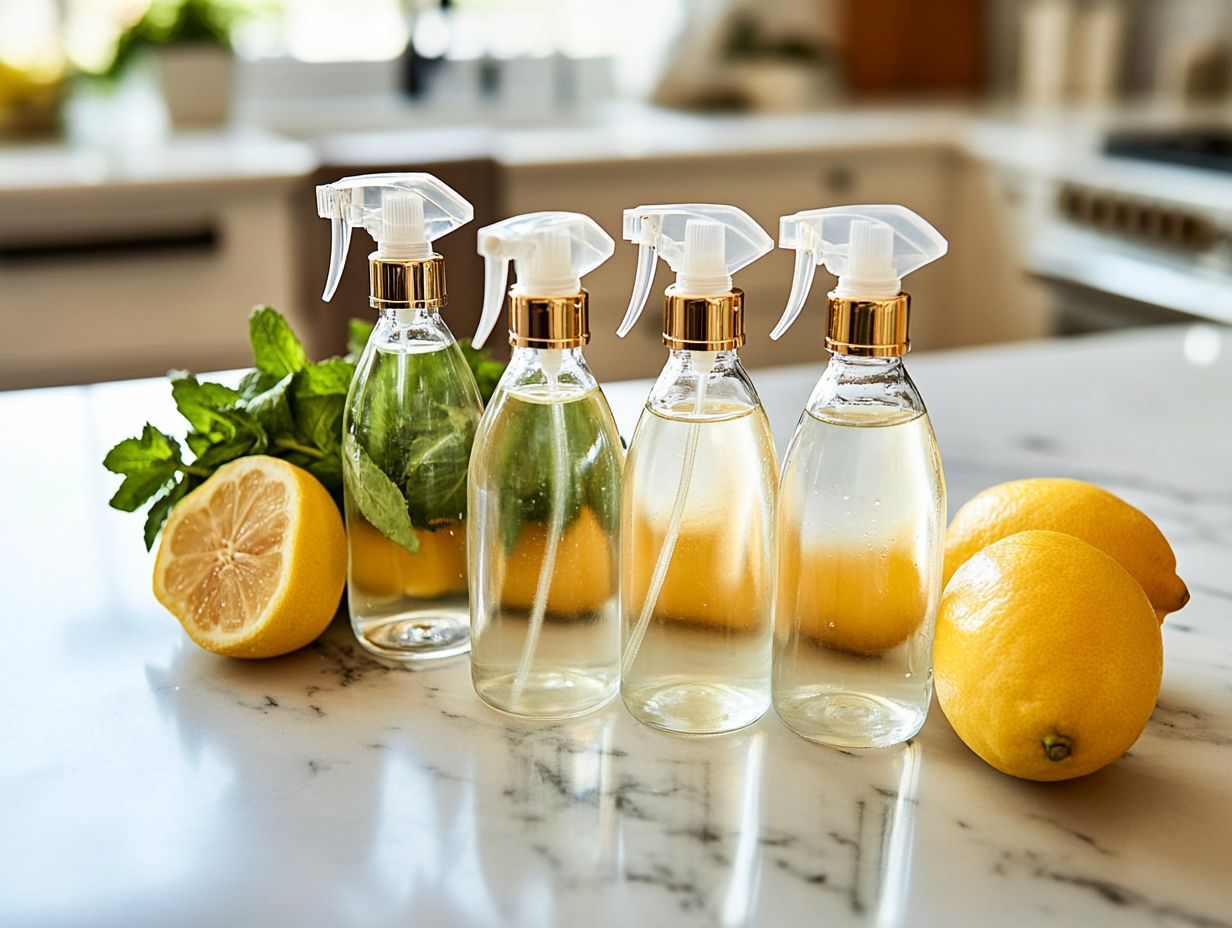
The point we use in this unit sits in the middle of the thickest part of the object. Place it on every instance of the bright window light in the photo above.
(358, 30)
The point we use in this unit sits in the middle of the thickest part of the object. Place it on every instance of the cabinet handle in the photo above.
(201, 239)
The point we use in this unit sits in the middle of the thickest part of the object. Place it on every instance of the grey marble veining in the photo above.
(145, 782)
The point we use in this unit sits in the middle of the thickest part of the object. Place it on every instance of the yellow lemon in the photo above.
(711, 579)
(383, 568)
(1048, 656)
(1076, 508)
(253, 561)
(582, 581)
(850, 598)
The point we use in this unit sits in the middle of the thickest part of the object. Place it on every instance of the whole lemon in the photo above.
(1048, 657)
(1076, 508)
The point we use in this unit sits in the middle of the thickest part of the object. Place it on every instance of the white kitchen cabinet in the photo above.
(125, 276)
(994, 298)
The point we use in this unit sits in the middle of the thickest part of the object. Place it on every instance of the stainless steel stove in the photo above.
(1128, 247)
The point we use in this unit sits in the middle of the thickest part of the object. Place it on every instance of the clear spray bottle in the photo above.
(861, 513)
(697, 507)
(544, 482)
(410, 417)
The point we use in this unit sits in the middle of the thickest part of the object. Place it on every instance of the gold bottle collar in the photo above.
(400, 283)
(703, 323)
(868, 328)
(549, 321)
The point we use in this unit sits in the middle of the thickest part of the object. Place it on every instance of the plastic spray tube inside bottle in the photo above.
(861, 513)
(409, 420)
(544, 483)
(697, 541)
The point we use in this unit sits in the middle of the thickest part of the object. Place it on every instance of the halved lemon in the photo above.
(253, 561)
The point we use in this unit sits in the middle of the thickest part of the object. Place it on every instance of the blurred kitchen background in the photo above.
(157, 160)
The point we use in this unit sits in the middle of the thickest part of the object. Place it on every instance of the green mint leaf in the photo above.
(135, 454)
(272, 408)
(319, 422)
(163, 504)
(378, 498)
(199, 442)
(328, 378)
(216, 455)
(137, 489)
(358, 333)
(436, 469)
(243, 425)
(148, 463)
(320, 397)
(327, 469)
(275, 349)
(199, 402)
(255, 382)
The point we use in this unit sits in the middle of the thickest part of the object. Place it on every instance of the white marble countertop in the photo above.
(29, 171)
(146, 782)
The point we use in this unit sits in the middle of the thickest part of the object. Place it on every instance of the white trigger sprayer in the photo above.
(551, 252)
(404, 214)
(870, 249)
(705, 244)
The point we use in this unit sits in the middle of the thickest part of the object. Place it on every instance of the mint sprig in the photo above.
(287, 406)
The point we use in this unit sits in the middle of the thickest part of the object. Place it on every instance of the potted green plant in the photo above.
(190, 41)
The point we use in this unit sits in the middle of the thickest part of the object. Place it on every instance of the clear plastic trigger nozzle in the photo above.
(869, 248)
(403, 212)
(551, 253)
(704, 243)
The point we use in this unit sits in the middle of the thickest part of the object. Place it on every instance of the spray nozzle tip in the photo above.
(403, 212)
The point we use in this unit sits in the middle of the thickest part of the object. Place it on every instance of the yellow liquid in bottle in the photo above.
(703, 663)
(571, 664)
(861, 522)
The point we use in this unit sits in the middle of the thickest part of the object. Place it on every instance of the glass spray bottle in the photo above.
(697, 508)
(544, 483)
(861, 513)
(410, 417)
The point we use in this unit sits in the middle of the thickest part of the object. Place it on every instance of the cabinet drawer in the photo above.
(93, 286)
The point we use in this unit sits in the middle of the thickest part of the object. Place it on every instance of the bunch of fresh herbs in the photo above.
(288, 407)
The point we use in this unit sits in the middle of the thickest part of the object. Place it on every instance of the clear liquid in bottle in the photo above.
(860, 525)
(703, 663)
(545, 492)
